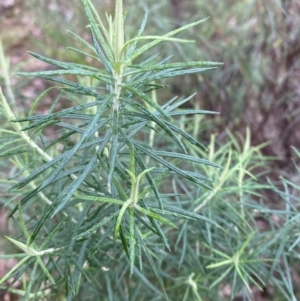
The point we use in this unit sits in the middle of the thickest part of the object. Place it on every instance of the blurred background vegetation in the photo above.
(257, 87)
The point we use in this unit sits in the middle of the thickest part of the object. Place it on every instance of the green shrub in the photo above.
(112, 197)
(90, 178)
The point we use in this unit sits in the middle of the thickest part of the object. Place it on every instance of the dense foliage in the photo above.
(110, 193)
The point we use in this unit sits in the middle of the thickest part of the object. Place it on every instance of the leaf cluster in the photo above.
(89, 177)
(122, 202)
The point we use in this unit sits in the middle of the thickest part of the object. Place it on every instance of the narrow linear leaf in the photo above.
(161, 38)
(101, 55)
(120, 216)
(156, 216)
(45, 270)
(170, 34)
(71, 188)
(80, 39)
(143, 167)
(108, 52)
(98, 199)
(186, 157)
(39, 98)
(132, 240)
(140, 31)
(85, 54)
(114, 145)
(170, 166)
(148, 115)
(19, 264)
(147, 99)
